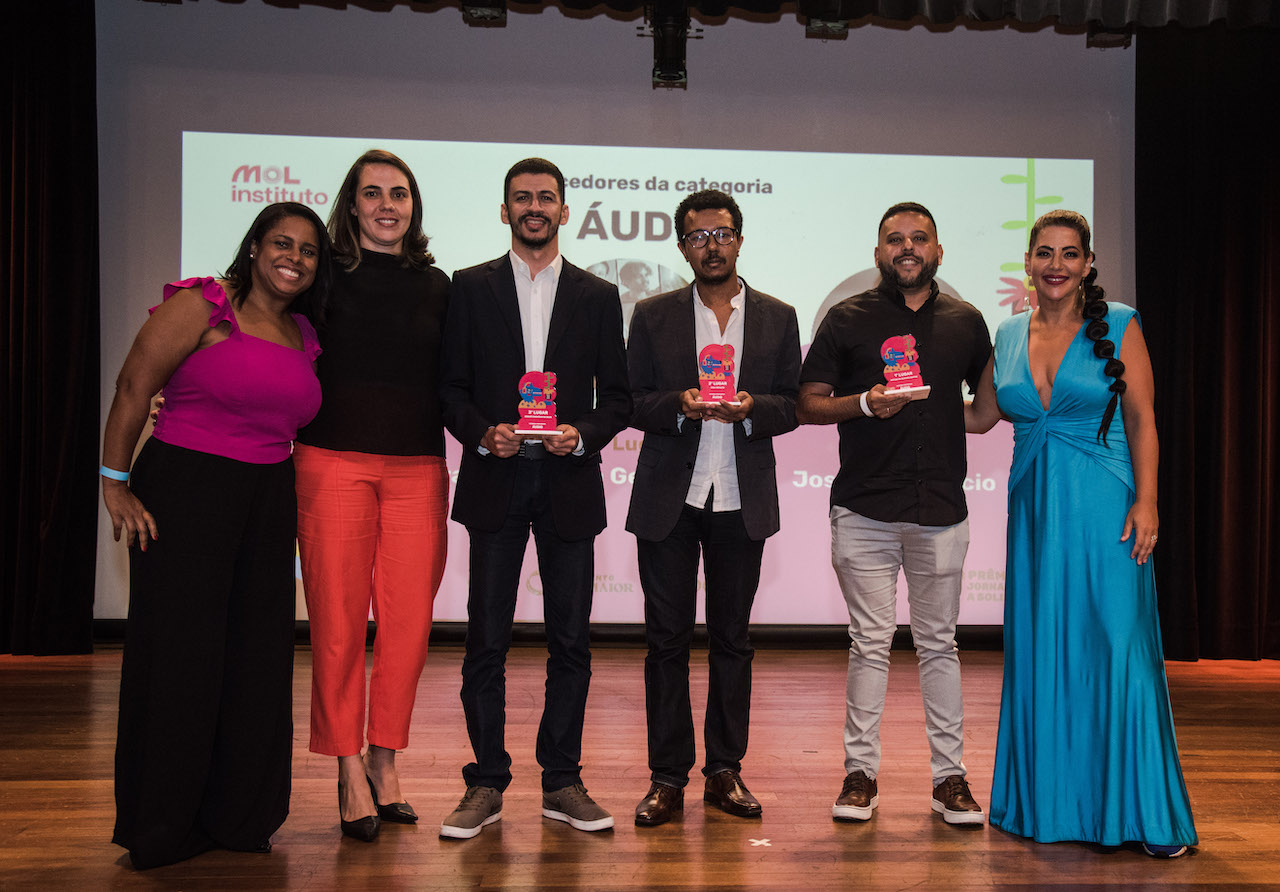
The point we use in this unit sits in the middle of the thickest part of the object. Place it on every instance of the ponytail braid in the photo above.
(1096, 329)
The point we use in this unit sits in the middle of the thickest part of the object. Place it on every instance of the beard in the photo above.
(924, 275)
(534, 241)
(716, 275)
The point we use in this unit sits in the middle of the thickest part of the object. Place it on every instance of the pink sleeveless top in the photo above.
(242, 398)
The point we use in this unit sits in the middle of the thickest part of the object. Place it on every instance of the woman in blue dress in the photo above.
(1086, 748)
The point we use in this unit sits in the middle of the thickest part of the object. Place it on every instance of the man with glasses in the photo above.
(705, 483)
(898, 499)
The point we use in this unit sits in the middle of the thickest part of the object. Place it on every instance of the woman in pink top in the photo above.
(209, 515)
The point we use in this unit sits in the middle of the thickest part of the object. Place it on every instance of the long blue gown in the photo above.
(1086, 747)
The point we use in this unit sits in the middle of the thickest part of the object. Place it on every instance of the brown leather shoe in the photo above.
(858, 798)
(662, 803)
(726, 791)
(952, 800)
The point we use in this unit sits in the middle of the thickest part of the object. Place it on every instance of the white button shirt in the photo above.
(716, 470)
(536, 295)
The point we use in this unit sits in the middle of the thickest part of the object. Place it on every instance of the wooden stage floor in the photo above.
(57, 732)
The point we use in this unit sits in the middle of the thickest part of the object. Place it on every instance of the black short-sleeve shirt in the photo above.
(911, 467)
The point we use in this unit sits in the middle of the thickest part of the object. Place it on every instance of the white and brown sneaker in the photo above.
(858, 798)
(955, 803)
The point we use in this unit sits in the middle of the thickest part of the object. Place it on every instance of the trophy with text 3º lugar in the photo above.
(537, 404)
(902, 368)
(716, 381)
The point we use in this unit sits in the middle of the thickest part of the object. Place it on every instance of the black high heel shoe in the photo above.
(395, 812)
(364, 829)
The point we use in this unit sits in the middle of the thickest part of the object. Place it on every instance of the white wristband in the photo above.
(866, 410)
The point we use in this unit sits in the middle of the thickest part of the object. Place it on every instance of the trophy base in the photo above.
(915, 393)
(536, 433)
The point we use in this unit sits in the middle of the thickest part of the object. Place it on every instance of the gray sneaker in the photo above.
(479, 807)
(573, 806)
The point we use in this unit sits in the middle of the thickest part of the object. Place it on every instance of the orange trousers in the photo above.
(371, 531)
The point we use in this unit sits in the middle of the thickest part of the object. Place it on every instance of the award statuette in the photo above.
(715, 375)
(902, 367)
(537, 404)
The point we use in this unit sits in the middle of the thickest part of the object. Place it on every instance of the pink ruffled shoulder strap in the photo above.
(211, 291)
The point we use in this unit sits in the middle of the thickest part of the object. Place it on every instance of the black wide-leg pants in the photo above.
(206, 728)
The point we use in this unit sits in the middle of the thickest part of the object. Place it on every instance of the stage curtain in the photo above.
(49, 301)
(1207, 197)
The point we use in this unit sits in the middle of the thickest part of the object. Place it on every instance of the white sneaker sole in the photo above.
(598, 824)
(1176, 853)
(448, 831)
(958, 817)
(853, 812)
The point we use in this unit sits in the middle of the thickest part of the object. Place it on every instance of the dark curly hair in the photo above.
(1094, 310)
(706, 200)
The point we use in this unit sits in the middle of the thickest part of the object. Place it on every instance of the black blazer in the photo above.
(663, 363)
(483, 360)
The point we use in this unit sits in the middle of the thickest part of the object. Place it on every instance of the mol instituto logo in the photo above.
(269, 183)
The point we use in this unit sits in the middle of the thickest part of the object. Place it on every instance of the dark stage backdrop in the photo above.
(1208, 272)
(49, 300)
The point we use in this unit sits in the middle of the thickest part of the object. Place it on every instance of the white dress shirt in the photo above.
(536, 295)
(715, 470)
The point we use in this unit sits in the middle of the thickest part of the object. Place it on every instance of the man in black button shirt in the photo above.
(898, 499)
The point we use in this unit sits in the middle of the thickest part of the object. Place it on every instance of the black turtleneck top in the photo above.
(380, 369)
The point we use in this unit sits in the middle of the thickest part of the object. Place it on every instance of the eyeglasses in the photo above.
(698, 238)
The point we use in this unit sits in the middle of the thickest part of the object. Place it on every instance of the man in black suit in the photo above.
(530, 311)
(705, 482)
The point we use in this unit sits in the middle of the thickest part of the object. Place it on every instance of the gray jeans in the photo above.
(867, 555)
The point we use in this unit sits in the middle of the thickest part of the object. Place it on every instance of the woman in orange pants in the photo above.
(372, 486)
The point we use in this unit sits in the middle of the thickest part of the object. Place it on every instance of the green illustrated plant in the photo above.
(1020, 294)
